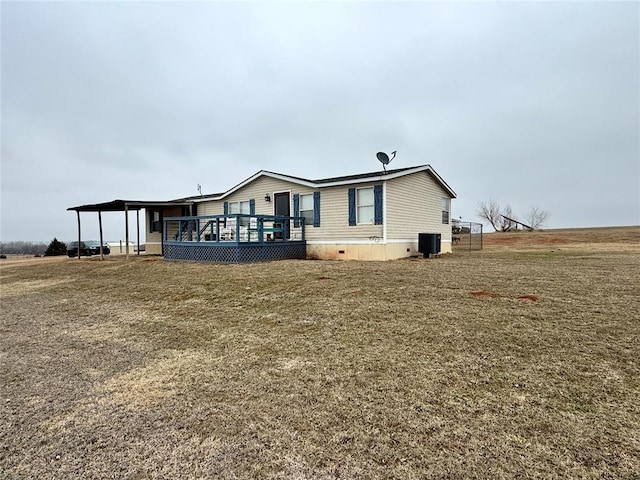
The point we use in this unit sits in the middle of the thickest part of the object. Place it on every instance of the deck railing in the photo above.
(234, 229)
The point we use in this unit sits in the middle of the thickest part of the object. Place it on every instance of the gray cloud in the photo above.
(526, 103)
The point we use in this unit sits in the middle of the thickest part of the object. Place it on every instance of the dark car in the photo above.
(95, 247)
(88, 248)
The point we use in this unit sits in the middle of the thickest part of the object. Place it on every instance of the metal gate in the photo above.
(466, 235)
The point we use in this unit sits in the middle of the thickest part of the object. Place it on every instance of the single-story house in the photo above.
(369, 216)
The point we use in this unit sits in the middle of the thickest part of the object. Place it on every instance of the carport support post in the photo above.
(126, 230)
(138, 227)
(79, 234)
(100, 222)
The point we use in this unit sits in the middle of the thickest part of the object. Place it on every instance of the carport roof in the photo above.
(120, 205)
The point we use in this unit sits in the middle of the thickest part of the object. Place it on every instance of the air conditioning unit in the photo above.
(429, 244)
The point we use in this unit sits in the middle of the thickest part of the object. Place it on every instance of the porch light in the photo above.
(267, 198)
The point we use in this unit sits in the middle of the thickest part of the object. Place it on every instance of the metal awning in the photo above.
(121, 206)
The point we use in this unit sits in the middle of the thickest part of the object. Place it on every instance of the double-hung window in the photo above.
(156, 221)
(446, 209)
(242, 208)
(306, 209)
(364, 205)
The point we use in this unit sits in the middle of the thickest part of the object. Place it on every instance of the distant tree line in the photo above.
(56, 247)
(23, 248)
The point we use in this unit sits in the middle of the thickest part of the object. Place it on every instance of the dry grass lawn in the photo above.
(311, 369)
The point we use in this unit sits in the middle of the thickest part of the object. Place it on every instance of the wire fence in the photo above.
(466, 235)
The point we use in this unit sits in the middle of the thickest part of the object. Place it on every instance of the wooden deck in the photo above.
(233, 238)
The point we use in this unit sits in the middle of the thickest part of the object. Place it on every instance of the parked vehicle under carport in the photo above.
(88, 248)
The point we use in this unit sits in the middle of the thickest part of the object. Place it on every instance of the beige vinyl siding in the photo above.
(334, 218)
(210, 208)
(334, 208)
(154, 239)
(173, 227)
(166, 212)
(413, 206)
(256, 190)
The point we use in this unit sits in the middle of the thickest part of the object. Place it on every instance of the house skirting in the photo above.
(153, 248)
(371, 251)
(323, 251)
(233, 253)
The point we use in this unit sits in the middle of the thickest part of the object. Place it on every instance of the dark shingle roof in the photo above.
(362, 175)
(345, 178)
(319, 182)
(197, 197)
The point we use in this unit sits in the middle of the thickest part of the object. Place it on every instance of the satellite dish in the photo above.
(384, 158)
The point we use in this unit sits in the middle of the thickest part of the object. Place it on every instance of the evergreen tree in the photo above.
(56, 248)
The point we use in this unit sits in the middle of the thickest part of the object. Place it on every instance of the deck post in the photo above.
(79, 233)
(126, 231)
(100, 223)
(138, 227)
(163, 232)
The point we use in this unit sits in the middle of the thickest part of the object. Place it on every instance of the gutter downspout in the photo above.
(384, 212)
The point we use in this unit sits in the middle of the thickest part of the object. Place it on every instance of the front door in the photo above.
(281, 207)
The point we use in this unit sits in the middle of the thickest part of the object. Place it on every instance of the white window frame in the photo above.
(359, 206)
(445, 205)
(241, 206)
(307, 212)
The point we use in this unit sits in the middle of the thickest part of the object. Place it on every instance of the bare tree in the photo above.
(490, 212)
(536, 217)
(503, 219)
(506, 219)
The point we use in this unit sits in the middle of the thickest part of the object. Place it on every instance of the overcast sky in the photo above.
(529, 104)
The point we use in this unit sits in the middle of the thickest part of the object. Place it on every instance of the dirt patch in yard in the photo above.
(484, 293)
